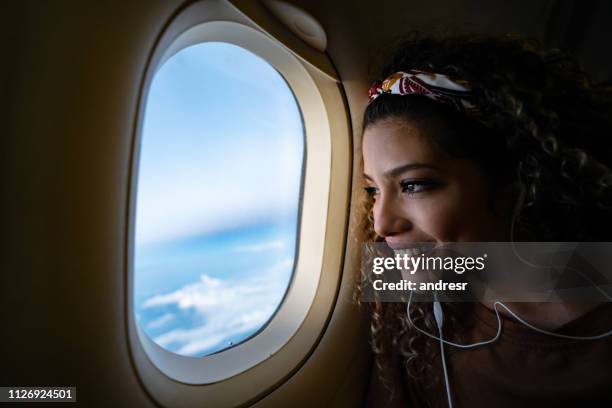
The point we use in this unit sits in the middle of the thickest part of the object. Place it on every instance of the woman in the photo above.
(487, 139)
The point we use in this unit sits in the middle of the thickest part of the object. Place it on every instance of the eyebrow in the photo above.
(404, 168)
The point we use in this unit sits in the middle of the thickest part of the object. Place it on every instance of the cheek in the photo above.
(453, 215)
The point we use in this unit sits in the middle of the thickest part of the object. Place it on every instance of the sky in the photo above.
(222, 144)
(217, 198)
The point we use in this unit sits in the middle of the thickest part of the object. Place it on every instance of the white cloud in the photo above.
(227, 308)
(159, 322)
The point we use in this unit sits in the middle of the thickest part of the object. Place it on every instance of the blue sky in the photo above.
(221, 145)
(217, 199)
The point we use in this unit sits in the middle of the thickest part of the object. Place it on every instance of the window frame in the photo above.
(265, 360)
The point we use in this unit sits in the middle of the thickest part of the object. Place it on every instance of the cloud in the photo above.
(226, 310)
(159, 322)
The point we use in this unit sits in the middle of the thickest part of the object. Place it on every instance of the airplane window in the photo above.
(218, 198)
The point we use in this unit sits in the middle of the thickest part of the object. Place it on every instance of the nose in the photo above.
(390, 217)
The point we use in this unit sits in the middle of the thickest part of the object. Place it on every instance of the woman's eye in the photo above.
(413, 187)
(371, 191)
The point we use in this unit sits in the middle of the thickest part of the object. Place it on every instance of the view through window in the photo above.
(218, 196)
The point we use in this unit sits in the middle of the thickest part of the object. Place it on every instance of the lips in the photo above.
(400, 245)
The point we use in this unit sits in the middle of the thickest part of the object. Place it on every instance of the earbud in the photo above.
(437, 309)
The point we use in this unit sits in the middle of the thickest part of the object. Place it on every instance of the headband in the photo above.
(438, 87)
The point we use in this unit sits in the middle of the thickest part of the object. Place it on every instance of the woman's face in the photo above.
(423, 195)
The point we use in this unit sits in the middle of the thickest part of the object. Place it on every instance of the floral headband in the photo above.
(438, 87)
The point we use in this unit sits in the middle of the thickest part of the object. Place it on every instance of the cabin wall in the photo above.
(75, 74)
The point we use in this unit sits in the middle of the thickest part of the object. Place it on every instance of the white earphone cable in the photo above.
(439, 317)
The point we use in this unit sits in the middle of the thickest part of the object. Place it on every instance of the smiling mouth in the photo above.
(413, 249)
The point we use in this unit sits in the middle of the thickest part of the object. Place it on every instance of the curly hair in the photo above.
(544, 127)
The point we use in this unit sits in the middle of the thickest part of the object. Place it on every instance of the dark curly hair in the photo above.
(544, 127)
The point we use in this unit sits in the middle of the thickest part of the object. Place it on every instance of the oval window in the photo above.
(218, 198)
